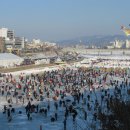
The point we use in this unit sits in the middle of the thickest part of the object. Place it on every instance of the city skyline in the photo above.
(64, 19)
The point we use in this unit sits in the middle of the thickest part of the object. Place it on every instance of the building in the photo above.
(50, 44)
(19, 42)
(42, 61)
(36, 41)
(9, 44)
(80, 46)
(127, 44)
(6, 33)
(3, 32)
(2, 45)
(110, 47)
(8, 36)
(12, 42)
(116, 44)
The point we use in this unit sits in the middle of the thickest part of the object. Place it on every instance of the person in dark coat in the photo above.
(48, 107)
(8, 113)
(56, 116)
(45, 111)
(28, 115)
(85, 115)
(37, 107)
(64, 124)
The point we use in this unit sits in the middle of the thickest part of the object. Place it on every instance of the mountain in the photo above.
(97, 40)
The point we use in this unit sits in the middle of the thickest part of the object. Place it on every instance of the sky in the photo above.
(64, 19)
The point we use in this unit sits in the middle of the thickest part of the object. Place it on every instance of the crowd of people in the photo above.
(82, 93)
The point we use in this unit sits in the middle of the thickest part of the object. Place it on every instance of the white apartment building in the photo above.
(19, 42)
(6, 33)
(3, 32)
(12, 42)
(36, 41)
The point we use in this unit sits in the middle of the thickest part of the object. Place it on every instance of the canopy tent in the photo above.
(9, 60)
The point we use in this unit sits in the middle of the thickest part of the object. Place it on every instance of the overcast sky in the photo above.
(64, 19)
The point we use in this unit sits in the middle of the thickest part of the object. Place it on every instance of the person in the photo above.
(45, 111)
(28, 115)
(60, 103)
(9, 118)
(56, 116)
(8, 113)
(88, 97)
(2, 92)
(66, 113)
(88, 105)
(37, 107)
(85, 115)
(13, 110)
(74, 116)
(48, 107)
(29, 106)
(26, 109)
(5, 108)
(23, 100)
(64, 124)
(95, 116)
(56, 105)
(63, 103)
(82, 95)
(52, 119)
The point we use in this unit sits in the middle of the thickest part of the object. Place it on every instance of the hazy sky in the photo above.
(64, 19)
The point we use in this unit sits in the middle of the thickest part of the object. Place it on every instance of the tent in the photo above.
(10, 60)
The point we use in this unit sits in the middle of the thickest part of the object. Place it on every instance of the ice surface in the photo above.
(20, 121)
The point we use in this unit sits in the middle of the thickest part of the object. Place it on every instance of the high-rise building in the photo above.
(10, 34)
(6, 33)
(20, 42)
(2, 45)
(3, 32)
(12, 42)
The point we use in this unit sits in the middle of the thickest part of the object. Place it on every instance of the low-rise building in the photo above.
(127, 43)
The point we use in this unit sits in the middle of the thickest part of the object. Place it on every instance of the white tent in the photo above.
(9, 60)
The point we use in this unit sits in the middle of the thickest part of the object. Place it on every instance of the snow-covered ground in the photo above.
(21, 122)
(106, 61)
